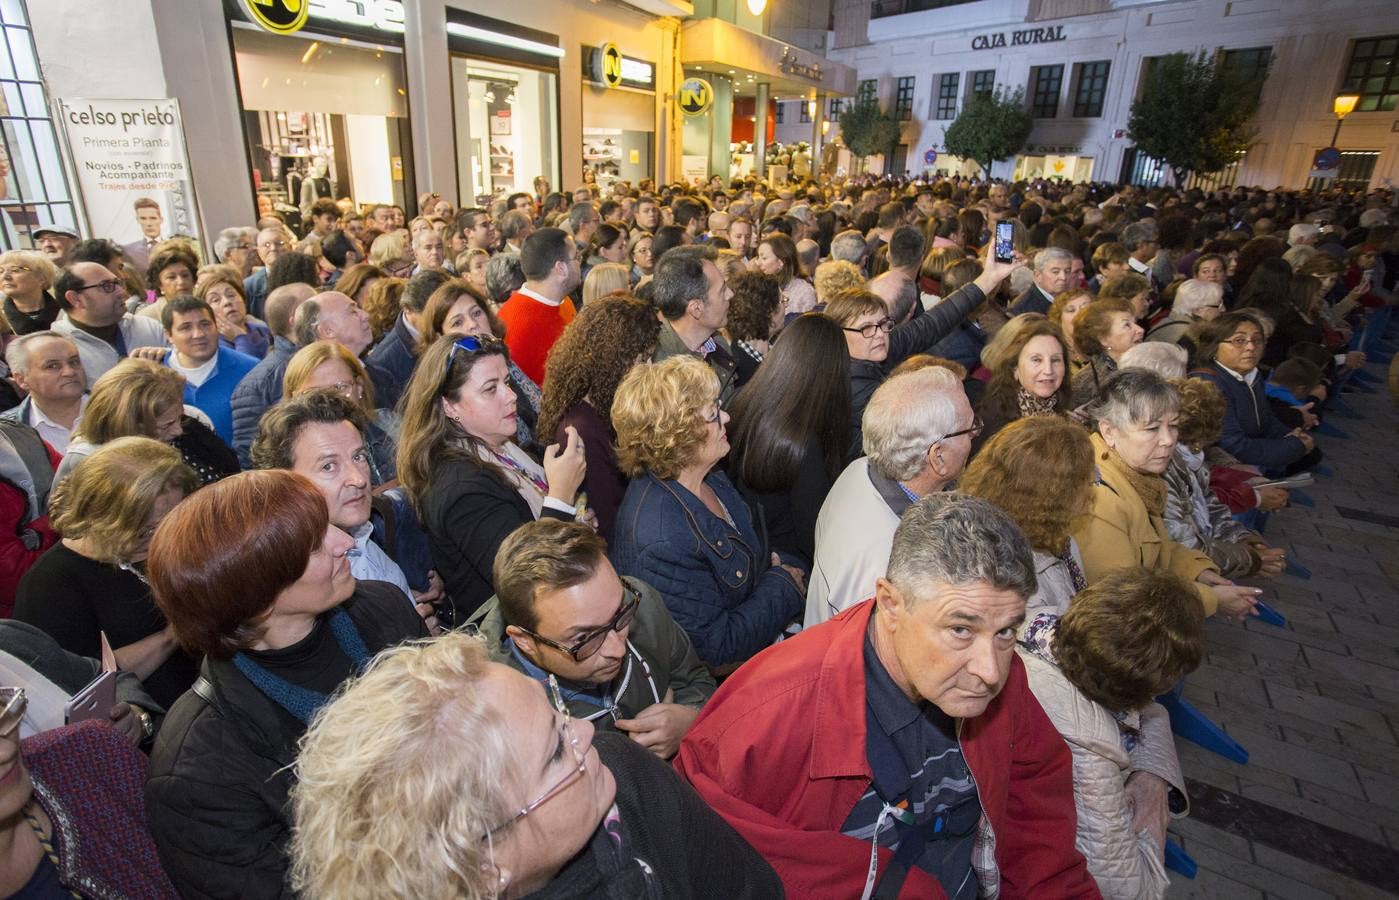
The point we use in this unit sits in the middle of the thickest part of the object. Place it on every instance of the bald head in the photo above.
(898, 292)
(281, 305)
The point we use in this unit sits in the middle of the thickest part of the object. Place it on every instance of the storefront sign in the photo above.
(132, 169)
(1019, 38)
(1045, 150)
(607, 66)
(277, 16)
(694, 168)
(696, 96)
(791, 64)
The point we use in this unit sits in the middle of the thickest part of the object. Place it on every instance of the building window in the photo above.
(867, 90)
(1044, 91)
(1092, 86)
(1373, 73)
(903, 99)
(983, 83)
(780, 104)
(804, 106)
(946, 100)
(836, 104)
(35, 190)
(1250, 63)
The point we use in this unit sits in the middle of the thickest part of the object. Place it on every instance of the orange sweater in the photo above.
(531, 328)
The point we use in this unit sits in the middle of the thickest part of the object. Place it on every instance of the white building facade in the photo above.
(1080, 63)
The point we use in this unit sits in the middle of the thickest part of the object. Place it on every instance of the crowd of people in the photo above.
(721, 540)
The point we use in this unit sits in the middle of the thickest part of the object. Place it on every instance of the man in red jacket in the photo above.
(896, 750)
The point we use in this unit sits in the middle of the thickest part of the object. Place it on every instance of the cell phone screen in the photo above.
(1005, 242)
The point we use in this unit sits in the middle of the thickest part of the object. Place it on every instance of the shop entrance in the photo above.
(505, 126)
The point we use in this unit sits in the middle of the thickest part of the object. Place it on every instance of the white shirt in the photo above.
(199, 374)
(1246, 379)
(540, 297)
(56, 434)
(368, 562)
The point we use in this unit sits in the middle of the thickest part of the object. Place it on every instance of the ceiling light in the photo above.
(504, 40)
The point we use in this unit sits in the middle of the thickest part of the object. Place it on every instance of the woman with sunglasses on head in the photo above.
(71, 817)
(458, 460)
(533, 804)
(252, 575)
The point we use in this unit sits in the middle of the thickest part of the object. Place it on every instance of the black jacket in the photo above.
(692, 852)
(468, 512)
(216, 798)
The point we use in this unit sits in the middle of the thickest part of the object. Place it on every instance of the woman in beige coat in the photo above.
(1095, 671)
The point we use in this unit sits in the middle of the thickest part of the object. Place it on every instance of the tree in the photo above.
(1193, 113)
(867, 131)
(990, 127)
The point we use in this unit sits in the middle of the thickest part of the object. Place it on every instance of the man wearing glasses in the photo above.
(95, 318)
(620, 660)
(271, 243)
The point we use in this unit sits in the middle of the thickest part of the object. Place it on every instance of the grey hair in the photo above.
(228, 238)
(419, 236)
(1133, 397)
(1051, 254)
(1165, 359)
(1195, 294)
(849, 246)
(17, 354)
(957, 539)
(503, 276)
(308, 316)
(1138, 233)
(905, 417)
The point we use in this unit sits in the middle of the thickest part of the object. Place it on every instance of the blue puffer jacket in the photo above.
(258, 390)
(1252, 433)
(717, 579)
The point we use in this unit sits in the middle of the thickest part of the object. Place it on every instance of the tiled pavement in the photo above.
(1315, 812)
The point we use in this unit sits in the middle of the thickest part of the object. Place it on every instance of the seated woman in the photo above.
(597, 349)
(1103, 331)
(1062, 311)
(70, 812)
(140, 397)
(470, 482)
(456, 308)
(1095, 670)
(1029, 378)
(535, 803)
(1194, 516)
(1230, 350)
(756, 312)
(1196, 301)
(1132, 287)
(252, 576)
(327, 364)
(788, 431)
(222, 288)
(91, 582)
(683, 527)
(1136, 437)
(1039, 471)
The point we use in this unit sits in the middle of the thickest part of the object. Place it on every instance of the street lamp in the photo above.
(1342, 106)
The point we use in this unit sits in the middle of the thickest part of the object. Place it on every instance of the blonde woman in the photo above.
(93, 582)
(327, 365)
(26, 277)
(393, 252)
(603, 279)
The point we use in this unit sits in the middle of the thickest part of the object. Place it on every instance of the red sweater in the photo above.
(779, 752)
(531, 328)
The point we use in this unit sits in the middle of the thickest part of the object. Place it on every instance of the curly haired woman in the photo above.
(585, 366)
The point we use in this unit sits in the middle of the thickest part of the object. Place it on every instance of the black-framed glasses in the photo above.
(12, 706)
(592, 641)
(885, 325)
(109, 286)
(974, 430)
(567, 737)
(471, 343)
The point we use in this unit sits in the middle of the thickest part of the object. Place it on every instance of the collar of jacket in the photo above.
(713, 530)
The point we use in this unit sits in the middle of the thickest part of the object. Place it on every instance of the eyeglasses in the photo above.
(868, 331)
(15, 270)
(718, 413)
(471, 343)
(107, 287)
(591, 642)
(566, 736)
(974, 430)
(274, 245)
(1241, 342)
(12, 707)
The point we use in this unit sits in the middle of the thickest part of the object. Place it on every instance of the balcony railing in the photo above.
(879, 9)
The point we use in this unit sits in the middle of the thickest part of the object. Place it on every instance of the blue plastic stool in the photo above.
(1267, 614)
(1332, 431)
(1297, 570)
(1337, 406)
(1178, 861)
(1193, 725)
(1299, 497)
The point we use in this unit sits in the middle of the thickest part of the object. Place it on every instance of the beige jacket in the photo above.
(1125, 864)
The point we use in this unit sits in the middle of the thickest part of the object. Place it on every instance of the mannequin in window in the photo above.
(315, 186)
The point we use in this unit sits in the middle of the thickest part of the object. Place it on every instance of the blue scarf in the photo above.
(299, 701)
(1278, 392)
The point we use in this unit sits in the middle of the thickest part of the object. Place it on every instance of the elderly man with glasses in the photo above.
(621, 661)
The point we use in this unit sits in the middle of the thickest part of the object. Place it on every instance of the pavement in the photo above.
(1315, 811)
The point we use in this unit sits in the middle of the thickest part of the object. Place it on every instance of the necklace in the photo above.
(45, 842)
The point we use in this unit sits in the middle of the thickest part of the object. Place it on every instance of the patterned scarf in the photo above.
(1150, 488)
(1032, 405)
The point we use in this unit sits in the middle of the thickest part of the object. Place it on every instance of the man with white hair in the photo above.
(917, 431)
(48, 366)
(1303, 234)
(235, 247)
(1195, 300)
(850, 246)
(1053, 269)
(429, 251)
